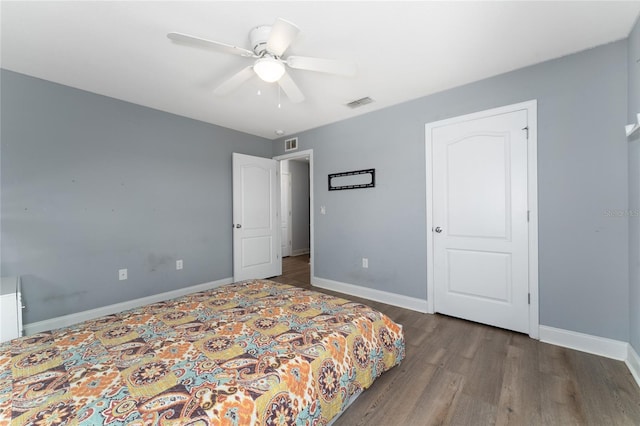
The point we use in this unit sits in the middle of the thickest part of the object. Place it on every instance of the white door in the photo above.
(285, 213)
(480, 230)
(256, 228)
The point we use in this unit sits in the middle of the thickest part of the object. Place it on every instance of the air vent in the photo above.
(360, 102)
(291, 144)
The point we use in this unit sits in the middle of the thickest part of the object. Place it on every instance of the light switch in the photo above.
(323, 210)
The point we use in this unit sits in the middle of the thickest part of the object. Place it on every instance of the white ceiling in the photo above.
(404, 50)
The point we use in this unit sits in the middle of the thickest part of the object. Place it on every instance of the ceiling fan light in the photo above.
(269, 69)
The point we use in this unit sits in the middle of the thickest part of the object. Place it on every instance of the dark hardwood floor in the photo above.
(462, 373)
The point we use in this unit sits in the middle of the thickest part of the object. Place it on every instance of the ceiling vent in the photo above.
(291, 144)
(360, 102)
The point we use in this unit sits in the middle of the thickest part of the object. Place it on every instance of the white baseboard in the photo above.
(67, 320)
(633, 363)
(400, 300)
(602, 346)
(300, 252)
(609, 348)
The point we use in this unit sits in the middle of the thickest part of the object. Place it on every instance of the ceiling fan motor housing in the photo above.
(258, 38)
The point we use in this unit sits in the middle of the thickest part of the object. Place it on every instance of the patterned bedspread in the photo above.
(256, 352)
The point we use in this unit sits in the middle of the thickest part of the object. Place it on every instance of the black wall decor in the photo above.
(352, 180)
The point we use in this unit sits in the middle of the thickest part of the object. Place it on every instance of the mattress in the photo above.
(256, 352)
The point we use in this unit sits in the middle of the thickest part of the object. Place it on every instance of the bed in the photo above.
(255, 352)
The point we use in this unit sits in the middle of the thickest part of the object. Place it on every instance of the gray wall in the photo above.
(582, 169)
(634, 188)
(91, 184)
(299, 204)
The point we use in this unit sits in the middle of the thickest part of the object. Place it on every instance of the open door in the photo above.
(256, 228)
(285, 213)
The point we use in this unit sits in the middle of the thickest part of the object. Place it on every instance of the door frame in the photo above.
(532, 200)
(293, 156)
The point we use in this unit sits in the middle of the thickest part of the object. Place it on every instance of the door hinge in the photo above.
(529, 298)
(527, 129)
(528, 215)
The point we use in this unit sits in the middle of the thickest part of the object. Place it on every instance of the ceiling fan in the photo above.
(269, 42)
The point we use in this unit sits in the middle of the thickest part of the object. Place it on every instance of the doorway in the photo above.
(482, 217)
(298, 227)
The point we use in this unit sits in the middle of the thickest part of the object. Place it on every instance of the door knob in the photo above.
(238, 226)
(438, 229)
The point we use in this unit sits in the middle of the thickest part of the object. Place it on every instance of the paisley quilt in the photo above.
(255, 352)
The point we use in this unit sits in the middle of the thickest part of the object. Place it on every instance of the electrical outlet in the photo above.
(365, 262)
(122, 274)
(179, 264)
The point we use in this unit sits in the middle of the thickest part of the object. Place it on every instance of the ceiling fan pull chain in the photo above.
(279, 103)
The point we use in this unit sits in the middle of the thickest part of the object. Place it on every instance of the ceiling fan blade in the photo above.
(209, 44)
(235, 81)
(282, 34)
(291, 89)
(322, 65)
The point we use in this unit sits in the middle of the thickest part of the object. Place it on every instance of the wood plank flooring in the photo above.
(462, 373)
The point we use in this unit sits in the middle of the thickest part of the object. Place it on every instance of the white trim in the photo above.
(532, 190)
(67, 320)
(431, 308)
(532, 187)
(394, 299)
(633, 363)
(596, 345)
(300, 252)
(304, 154)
